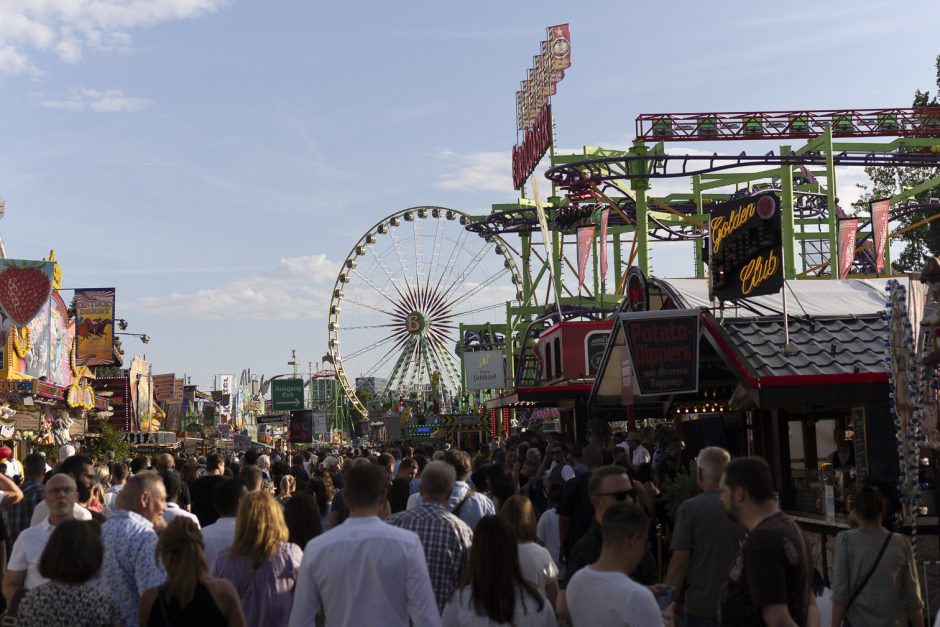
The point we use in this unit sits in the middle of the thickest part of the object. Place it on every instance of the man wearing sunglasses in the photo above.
(609, 485)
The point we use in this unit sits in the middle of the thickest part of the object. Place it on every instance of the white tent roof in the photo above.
(851, 297)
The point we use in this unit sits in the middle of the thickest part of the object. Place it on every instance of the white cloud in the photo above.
(106, 101)
(67, 28)
(476, 171)
(298, 288)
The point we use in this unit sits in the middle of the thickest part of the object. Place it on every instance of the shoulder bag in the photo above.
(871, 572)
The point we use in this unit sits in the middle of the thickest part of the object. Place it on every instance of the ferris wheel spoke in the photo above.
(419, 250)
(435, 251)
(366, 349)
(489, 281)
(369, 326)
(397, 346)
(374, 286)
(471, 266)
(470, 312)
(364, 305)
(382, 264)
(452, 259)
(393, 232)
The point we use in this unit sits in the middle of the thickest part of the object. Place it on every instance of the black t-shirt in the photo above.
(200, 491)
(576, 503)
(771, 568)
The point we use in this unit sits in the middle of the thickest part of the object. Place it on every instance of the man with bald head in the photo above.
(130, 539)
(23, 570)
(446, 539)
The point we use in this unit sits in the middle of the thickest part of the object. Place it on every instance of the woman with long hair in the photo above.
(494, 590)
(322, 489)
(71, 559)
(261, 563)
(287, 488)
(189, 596)
(875, 577)
(536, 562)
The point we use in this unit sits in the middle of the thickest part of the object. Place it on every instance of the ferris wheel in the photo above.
(400, 297)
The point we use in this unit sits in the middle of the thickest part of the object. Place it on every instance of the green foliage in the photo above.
(886, 182)
(109, 439)
(680, 489)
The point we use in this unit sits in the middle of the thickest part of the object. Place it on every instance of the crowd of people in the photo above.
(527, 532)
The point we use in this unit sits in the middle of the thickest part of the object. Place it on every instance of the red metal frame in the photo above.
(891, 122)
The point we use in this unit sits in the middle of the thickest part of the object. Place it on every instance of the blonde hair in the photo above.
(180, 548)
(259, 528)
(288, 486)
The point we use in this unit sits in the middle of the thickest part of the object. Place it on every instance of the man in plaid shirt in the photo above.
(19, 514)
(445, 538)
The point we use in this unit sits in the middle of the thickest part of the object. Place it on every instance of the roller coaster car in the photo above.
(707, 126)
(662, 128)
(753, 126)
(842, 123)
(888, 122)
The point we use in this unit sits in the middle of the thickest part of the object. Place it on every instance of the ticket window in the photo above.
(821, 454)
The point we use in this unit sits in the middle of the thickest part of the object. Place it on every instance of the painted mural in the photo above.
(52, 335)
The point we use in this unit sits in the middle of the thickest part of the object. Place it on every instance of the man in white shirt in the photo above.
(364, 572)
(23, 569)
(637, 454)
(219, 535)
(118, 480)
(603, 593)
(82, 471)
(174, 486)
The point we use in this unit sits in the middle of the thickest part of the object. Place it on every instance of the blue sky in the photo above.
(215, 161)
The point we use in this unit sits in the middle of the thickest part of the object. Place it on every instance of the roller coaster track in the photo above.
(580, 174)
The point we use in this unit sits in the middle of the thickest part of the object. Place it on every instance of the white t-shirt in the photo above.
(537, 564)
(41, 512)
(640, 456)
(173, 510)
(27, 550)
(608, 598)
(460, 612)
(550, 536)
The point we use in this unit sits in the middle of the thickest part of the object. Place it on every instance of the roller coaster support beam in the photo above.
(641, 186)
(831, 199)
(786, 201)
(700, 215)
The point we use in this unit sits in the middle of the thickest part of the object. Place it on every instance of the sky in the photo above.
(215, 160)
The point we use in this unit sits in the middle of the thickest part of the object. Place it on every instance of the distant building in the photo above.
(376, 385)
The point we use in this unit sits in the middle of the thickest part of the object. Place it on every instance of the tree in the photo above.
(886, 182)
(109, 439)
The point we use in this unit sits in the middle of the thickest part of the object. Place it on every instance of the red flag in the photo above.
(879, 225)
(847, 229)
(585, 239)
(603, 242)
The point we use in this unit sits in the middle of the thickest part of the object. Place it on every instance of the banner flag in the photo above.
(847, 229)
(559, 39)
(585, 239)
(94, 327)
(605, 215)
(879, 231)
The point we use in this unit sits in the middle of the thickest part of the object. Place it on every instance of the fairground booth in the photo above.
(814, 397)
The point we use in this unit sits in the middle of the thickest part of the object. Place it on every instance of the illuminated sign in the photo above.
(745, 248)
(533, 111)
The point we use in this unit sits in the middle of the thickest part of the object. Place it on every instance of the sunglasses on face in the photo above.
(620, 495)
